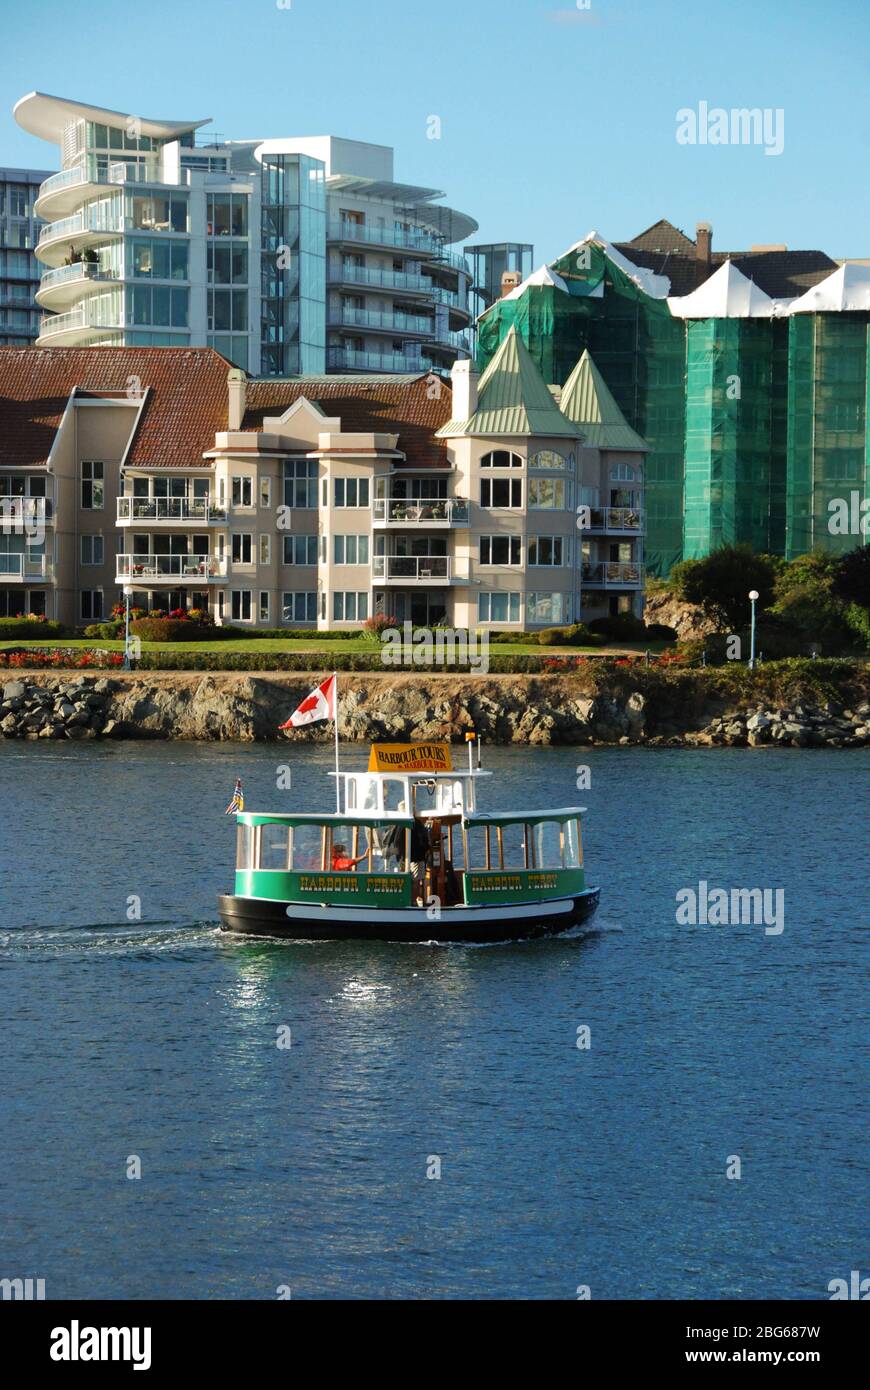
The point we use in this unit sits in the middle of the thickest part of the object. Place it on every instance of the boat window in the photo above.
(307, 847)
(394, 794)
(274, 846)
(478, 857)
(573, 845)
(508, 847)
(548, 844)
(245, 847)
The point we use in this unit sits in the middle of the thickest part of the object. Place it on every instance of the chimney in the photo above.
(236, 384)
(703, 250)
(510, 280)
(463, 380)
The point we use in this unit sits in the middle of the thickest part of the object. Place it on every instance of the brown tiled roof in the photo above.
(185, 406)
(411, 407)
(664, 249)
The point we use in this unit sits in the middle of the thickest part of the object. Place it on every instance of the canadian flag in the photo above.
(320, 704)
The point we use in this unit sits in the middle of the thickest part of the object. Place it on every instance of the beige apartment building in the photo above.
(169, 476)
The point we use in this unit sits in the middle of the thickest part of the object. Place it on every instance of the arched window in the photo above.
(501, 458)
(548, 461)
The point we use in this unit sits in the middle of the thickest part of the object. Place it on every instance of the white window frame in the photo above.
(241, 594)
(513, 542)
(92, 537)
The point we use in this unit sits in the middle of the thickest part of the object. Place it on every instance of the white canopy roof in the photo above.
(728, 294)
(846, 288)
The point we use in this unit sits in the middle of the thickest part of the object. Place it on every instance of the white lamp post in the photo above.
(753, 599)
(127, 592)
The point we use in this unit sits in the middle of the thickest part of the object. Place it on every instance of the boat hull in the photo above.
(310, 922)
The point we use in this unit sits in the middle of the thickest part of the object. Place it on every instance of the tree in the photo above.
(720, 584)
(852, 577)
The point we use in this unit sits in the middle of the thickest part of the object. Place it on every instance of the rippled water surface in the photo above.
(307, 1166)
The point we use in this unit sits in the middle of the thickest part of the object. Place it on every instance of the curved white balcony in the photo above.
(78, 326)
(368, 234)
(64, 192)
(70, 283)
(170, 569)
(76, 234)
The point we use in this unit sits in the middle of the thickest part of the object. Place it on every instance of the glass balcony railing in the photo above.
(82, 270)
(193, 568)
(340, 274)
(168, 509)
(25, 567)
(393, 323)
(81, 318)
(24, 512)
(420, 511)
(606, 574)
(351, 359)
(409, 239)
(616, 519)
(96, 170)
(415, 569)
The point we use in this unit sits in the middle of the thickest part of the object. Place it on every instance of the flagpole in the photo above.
(337, 780)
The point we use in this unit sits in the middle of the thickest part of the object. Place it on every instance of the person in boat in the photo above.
(342, 862)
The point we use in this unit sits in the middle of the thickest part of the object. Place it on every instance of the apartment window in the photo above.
(242, 547)
(264, 606)
(228, 311)
(300, 550)
(156, 212)
(265, 492)
(227, 214)
(501, 492)
(622, 473)
(501, 458)
(92, 605)
(93, 489)
(349, 607)
(150, 258)
(548, 461)
(300, 483)
(498, 608)
(240, 605)
(321, 547)
(351, 492)
(500, 550)
(265, 550)
(157, 304)
(227, 265)
(17, 200)
(351, 550)
(243, 492)
(549, 494)
(547, 550)
(91, 550)
(300, 607)
(547, 608)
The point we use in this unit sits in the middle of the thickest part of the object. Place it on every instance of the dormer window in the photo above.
(501, 458)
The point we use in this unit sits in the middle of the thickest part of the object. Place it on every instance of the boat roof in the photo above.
(416, 776)
(324, 818)
(522, 817)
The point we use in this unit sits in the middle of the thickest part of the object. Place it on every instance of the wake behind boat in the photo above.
(408, 857)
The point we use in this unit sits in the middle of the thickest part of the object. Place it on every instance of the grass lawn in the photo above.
(351, 644)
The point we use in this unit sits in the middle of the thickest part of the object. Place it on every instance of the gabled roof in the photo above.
(185, 399)
(727, 294)
(513, 399)
(413, 407)
(587, 401)
(663, 236)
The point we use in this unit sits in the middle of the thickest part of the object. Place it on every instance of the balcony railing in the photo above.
(25, 567)
(169, 509)
(340, 274)
(393, 323)
(413, 569)
(420, 511)
(82, 317)
(353, 360)
(95, 170)
(67, 226)
(82, 270)
(611, 574)
(24, 512)
(616, 519)
(163, 568)
(415, 239)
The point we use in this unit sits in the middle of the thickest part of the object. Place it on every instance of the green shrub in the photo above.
(107, 631)
(30, 627)
(659, 632)
(620, 627)
(720, 583)
(174, 630)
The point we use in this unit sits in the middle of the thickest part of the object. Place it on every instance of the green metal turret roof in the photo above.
(587, 401)
(513, 399)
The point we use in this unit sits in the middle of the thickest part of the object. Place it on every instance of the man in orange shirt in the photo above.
(342, 862)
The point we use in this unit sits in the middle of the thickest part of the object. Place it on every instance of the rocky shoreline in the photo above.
(535, 710)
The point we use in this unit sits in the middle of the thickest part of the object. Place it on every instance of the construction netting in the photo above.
(827, 458)
(639, 349)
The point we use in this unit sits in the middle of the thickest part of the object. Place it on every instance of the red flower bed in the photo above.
(18, 659)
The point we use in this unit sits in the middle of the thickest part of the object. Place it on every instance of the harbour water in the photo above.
(134, 1029)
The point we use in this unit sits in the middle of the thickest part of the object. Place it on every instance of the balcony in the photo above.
(25, 513)
(437, 512)
(169, 511)
(607, 574)
(170, 569)
(25, 569)
(79, 232)
(388, 323)
(606, 519)
(69, 282)
(349, 359)
(66, 190)
(340, 274)
(75, 326)
(416, 569)
(367, 234)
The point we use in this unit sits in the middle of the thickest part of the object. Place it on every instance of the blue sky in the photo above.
(555, 120)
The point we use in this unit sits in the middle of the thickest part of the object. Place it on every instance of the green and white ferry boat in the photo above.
(408, 857)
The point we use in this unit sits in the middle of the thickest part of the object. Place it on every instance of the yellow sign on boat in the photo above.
(410, 757)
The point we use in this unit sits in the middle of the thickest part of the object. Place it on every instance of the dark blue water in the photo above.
(559, 1167)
